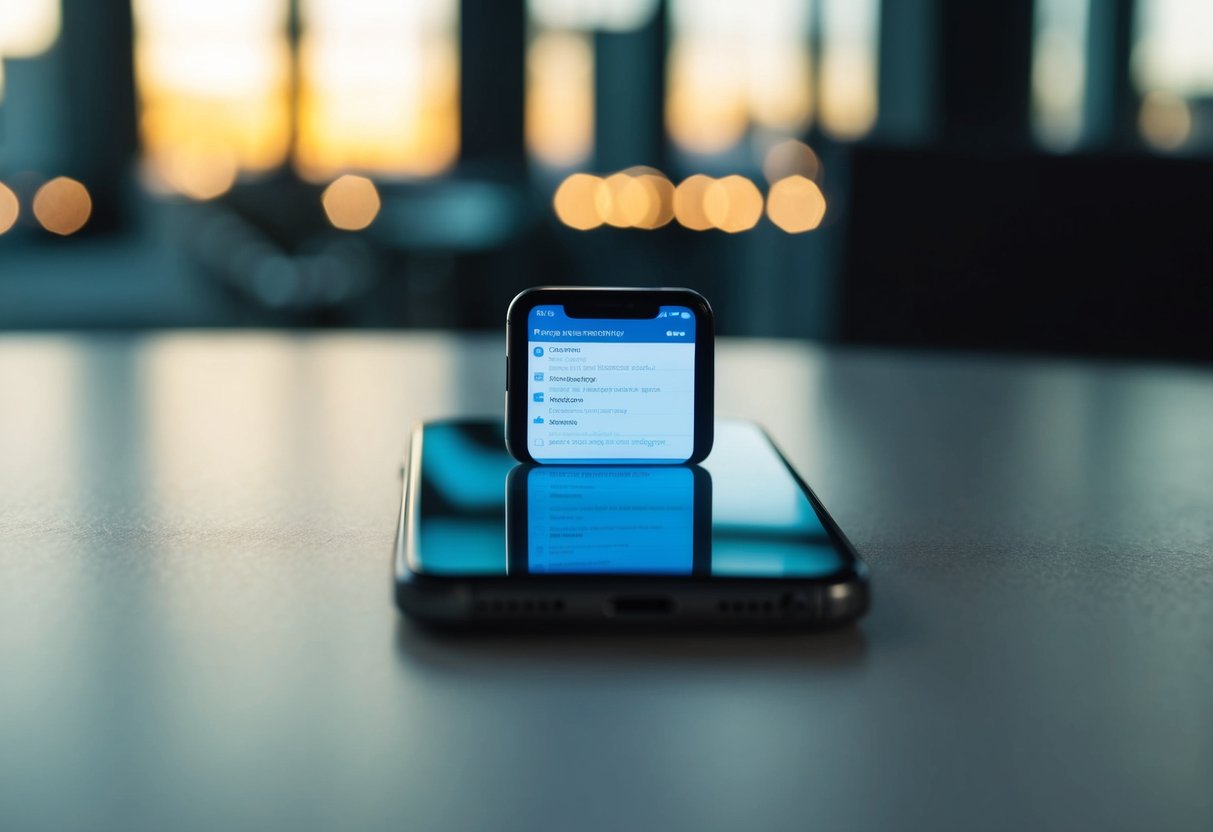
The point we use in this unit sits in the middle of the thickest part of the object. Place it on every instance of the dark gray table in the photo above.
(196, 630)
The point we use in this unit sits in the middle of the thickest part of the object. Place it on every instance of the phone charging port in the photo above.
(640, 605)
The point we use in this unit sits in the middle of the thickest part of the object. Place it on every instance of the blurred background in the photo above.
(1023, 175)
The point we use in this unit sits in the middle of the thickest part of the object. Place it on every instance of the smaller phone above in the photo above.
(609, 376)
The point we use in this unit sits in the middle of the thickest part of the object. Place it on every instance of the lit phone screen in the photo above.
(615, 389)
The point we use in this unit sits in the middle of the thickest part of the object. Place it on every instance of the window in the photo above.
(1173, 71)
(745, 69)
(1059, 71)
(379, 88)
(370, 86)
(213, 80)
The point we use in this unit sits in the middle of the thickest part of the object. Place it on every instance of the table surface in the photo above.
(197, 633)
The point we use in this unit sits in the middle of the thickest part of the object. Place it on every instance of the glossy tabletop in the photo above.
(197, 633)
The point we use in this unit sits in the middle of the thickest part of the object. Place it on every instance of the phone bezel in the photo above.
(613, 302)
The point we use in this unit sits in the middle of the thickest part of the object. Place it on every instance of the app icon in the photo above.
(538, 397)
(538, 376)
(538, 351)
(538, 443)
(538, 420)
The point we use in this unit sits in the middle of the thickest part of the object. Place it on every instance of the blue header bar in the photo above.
(673, 325)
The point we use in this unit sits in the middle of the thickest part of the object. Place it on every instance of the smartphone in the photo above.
(738, 542)
(614, 376)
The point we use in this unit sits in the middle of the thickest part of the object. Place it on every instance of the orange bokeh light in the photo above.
(62, 206)
(796, 204)
(576, 201)
(351, 202)
(732, 204)
(10, 208)
(688, 202)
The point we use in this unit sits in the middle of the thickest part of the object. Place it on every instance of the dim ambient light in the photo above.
(796, 204)
(732, 204)
(62, 206)
(10, 208)
(688, 202)
(791, 158)
(351, 202)
(560, 97)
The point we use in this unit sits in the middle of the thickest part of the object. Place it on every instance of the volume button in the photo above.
(507, 374)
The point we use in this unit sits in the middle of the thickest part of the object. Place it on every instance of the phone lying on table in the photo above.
(737, 542)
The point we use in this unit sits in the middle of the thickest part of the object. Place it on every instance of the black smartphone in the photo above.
(739, 542)
(614, 376)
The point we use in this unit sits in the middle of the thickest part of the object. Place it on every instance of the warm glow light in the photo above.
(62, 206)
(560, 98)
(660, 197)
(706, 106)
(732, 204)
(28, 27)
(639, 197)
(624, 202)
(736, 65)
(791, 158)
(796, 204)
(1165, 120)
(200, 172)
(10, 208)
(380, 88)
(351, 202)
(212, 79)
(848, 67)
(688, 202)
(576, 201)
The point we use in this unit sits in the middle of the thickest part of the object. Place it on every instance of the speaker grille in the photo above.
(786, 605)
(520, 607)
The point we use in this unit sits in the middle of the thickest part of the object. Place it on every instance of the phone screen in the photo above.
(616, 389)
(739, 514)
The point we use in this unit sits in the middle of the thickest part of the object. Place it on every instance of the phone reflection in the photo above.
(609, 520)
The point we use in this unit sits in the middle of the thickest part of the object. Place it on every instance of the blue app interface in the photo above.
(620, 390)
(610, 520)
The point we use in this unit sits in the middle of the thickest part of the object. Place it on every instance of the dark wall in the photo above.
(1078, 254)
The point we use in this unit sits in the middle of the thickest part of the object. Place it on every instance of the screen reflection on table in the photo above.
(609, 520)
(741, 514)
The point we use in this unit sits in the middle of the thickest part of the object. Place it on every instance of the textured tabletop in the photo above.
(196, 627)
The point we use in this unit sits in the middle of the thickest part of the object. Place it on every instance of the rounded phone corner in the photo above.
(519, 453)
(522, 300)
